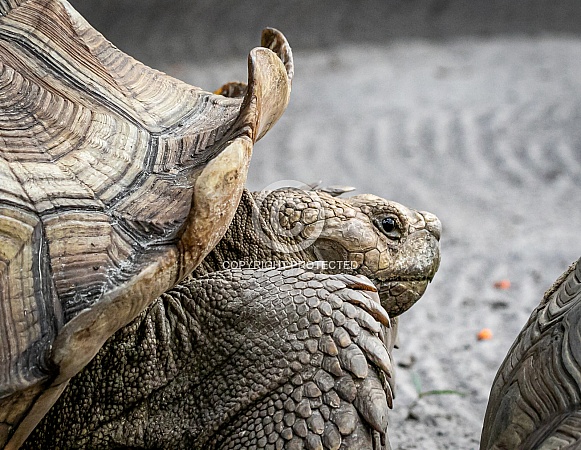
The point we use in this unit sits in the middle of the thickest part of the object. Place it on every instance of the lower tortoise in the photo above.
(285, 356)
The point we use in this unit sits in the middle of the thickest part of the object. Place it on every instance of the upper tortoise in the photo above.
(115, 181)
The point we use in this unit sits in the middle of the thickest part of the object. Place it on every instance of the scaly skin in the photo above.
(273, 358)
(232, 360)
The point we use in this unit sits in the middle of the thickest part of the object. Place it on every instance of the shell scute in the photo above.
(29, 315)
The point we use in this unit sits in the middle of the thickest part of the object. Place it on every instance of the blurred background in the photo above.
(162, 32)
(468, 109)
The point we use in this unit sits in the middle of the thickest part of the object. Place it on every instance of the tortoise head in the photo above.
(395, 246)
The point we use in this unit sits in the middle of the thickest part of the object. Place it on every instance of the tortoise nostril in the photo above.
(433, 224)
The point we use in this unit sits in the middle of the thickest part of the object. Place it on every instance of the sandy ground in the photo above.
(485, 133)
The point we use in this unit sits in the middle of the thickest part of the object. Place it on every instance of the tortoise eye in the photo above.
(390, 227)
(388, 224)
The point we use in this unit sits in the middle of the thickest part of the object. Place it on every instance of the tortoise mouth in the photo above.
(399, 295)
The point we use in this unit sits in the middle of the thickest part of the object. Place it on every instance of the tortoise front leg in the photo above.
(238, 359)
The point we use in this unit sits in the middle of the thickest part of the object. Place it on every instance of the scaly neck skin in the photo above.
(244, 244)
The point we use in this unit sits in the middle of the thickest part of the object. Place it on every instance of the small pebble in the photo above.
(485, 334)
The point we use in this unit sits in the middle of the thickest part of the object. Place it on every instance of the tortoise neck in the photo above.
(248, 243)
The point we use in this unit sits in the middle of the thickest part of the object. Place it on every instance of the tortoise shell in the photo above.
(115, 181)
